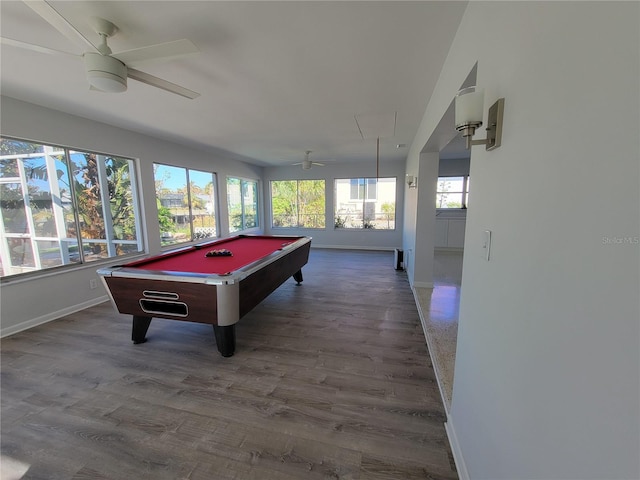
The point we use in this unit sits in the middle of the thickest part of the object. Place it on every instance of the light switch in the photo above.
(486, 244)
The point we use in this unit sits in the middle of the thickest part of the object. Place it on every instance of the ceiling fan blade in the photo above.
(36, 48)
(160, 83)
(161, 52)
(51, 15)
(319, 164)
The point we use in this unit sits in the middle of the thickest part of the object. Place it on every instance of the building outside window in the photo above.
(186, 201)
(365, 203)
(363, 189)
(452, 192)
(61, 206)
(298, 203)
(242, 201)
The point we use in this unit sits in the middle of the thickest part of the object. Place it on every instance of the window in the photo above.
(60, 206)
(363, 188)
(186, 202)
(452, 192)
(365, 203)
(298, 203)
(242, 201)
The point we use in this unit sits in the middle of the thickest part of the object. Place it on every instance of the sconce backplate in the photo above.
(494, 124)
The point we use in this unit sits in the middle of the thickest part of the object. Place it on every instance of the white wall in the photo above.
(342, 238)
(425, 221)
(547, 372)
(31, 301)
(410, 212)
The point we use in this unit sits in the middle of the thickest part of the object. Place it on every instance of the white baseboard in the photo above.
(463, 474)
(353, 247)
(34, 322)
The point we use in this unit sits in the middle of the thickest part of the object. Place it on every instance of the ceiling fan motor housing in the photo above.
(105, 73)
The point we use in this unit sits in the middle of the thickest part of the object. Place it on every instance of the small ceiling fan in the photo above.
(107, 71)
(306, 163)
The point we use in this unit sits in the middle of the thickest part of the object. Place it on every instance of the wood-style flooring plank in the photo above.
(330, 380)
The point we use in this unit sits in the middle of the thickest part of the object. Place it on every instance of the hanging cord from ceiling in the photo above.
(378, 158)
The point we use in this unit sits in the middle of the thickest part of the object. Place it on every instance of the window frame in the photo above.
(192, 229)
(61, 218)
(464, 193)
(367, 187)
(243, 215)
(297, 206)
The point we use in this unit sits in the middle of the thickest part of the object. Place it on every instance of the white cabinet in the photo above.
(442, 227)
(449, 232)
(455, 233)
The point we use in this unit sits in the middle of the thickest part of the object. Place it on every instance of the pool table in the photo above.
(215, 282)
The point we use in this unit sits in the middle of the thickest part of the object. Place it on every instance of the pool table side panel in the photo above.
(260, 284)
(200, 298)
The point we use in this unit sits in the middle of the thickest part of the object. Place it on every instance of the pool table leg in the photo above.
(225, 339)
(140, 327)
(298, 276)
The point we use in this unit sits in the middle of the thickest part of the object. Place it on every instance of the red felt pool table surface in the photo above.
(245, 250)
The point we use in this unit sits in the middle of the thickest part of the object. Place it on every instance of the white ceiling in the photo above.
(275, 78)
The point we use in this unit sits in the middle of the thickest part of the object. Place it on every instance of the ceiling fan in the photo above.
(306, 163)
(107, 71)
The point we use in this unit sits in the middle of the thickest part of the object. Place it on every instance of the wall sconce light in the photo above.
(469, 106)
(412, 181)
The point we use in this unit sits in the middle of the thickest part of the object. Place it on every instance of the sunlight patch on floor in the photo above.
(12, 469)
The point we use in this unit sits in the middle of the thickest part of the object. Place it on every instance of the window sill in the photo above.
(62, 269)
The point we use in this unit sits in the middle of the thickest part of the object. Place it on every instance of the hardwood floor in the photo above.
(330, 380)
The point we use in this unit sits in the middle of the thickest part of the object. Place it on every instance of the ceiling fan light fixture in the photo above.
(106, 82)
(105, 73)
